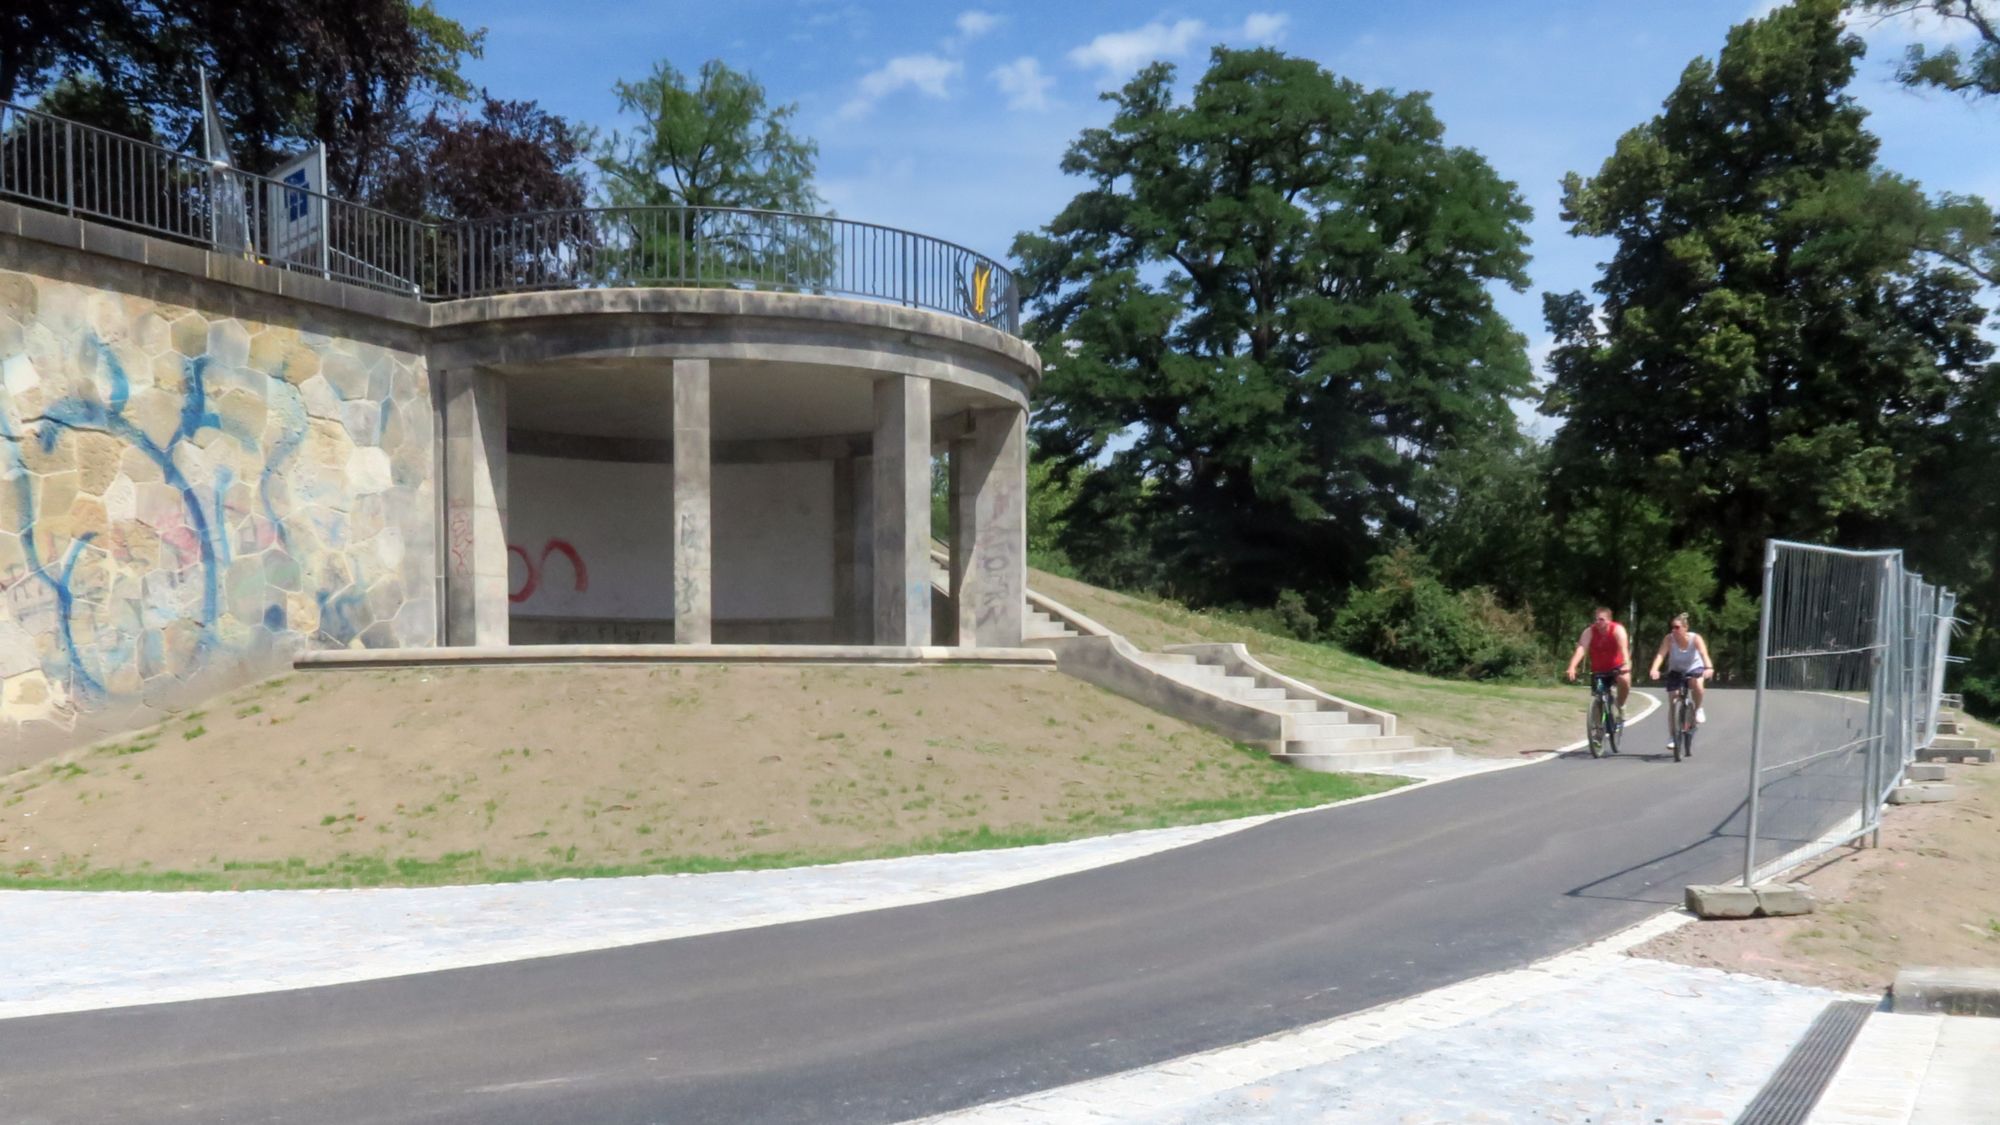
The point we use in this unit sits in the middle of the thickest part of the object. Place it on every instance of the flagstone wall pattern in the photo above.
(188, 498)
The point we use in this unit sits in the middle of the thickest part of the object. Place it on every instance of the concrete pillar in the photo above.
(902, 511)
(694, 565)
(475, 485)
(848, 610)
(989, 519)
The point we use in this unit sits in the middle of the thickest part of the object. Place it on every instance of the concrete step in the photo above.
(1376, 741)
(1344, 732)
(1365, 759)
(1159, 659)
(1279, 706)
(1318, 718)
(1263, 694)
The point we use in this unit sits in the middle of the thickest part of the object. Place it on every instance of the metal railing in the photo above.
(80, 170)
(1850, 659)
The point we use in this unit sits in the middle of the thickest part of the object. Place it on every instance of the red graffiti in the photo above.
(535, 568)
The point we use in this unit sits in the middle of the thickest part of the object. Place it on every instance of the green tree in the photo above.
(352, 74)
(1965, 232)
(716, 149)
(45, 41)
(1974, 72)
(715, 143)
(1263, 321)
(1772, 354)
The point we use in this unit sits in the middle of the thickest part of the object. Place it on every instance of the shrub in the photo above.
(1295, 616)
(1407, 618)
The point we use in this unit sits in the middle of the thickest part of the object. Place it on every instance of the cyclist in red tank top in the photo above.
(1610, 651)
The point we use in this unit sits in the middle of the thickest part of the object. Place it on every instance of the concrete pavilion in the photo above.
(730, 467)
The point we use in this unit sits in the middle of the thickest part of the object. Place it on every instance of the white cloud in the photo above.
(975, 23)
(1119, 53)
(1024, 83)
(1116, 54)
(1265, 27)
(926, 74)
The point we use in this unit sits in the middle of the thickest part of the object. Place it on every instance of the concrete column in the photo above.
(694, 564)
(475, 485)
(989, 518)
(902, 511)
(847, 609)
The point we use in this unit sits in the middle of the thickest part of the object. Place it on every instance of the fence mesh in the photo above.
(1850, 668)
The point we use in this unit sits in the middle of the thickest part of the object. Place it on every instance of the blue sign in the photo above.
(297, 204)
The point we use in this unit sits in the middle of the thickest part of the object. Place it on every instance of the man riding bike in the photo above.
(1610, 649)
(1686, 656)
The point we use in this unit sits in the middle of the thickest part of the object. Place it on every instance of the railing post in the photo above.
(69, 168)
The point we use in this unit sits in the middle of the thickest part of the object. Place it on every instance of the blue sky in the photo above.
(951, 120)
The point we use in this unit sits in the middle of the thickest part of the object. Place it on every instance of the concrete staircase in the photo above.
(1218, 686)
(1041, 625)
(1315, 731)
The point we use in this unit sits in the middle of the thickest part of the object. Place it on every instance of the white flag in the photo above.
(228, 207)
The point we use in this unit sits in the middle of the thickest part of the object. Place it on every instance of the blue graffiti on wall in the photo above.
(77, 413)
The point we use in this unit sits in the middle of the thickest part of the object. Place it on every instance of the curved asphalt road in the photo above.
(898, 1013)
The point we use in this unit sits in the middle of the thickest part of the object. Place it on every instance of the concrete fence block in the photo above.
(1922, 793)
(1777, 900)
(1768, 900)
(1718, 901)
(1924, 771)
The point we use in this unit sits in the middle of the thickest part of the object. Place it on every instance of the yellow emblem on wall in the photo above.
(982, 280)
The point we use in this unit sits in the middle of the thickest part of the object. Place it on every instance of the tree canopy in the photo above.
(1263, 321)
(714, 143)
(1771, 355)
(377, 81)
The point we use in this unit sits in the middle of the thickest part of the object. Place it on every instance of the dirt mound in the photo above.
(413, 776)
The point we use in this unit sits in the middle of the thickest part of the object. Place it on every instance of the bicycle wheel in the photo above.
(1596, 727)
(1678, 716)
(1613, 729)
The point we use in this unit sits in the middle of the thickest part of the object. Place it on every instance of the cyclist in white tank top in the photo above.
(1685, 654)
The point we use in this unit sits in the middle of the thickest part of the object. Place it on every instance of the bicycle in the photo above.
(1603, 726)
(1680, 715)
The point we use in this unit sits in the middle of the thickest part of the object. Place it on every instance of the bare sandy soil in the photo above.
(574, 767)
(1929, 895)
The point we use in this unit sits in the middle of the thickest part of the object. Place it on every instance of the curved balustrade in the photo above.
(80, 170)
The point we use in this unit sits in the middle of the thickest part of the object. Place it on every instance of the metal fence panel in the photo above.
(1849, 672)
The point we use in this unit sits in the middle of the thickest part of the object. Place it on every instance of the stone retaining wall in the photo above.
(194, 486)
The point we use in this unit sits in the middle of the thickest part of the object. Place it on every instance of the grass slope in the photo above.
(1501, 719)
(415, 777)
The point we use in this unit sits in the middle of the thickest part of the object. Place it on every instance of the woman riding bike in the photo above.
(1685, 654)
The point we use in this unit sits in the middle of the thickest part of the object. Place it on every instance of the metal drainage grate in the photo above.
(1793, 1091)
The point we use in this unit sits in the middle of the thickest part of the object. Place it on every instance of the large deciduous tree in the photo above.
(715, 142)
(1974, 70)
(1772, 354)
(376, 81)
(1263, 321)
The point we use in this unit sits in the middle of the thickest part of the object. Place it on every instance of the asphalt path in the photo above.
(893, 1014)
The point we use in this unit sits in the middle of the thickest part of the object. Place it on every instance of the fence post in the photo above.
(1757, 714)
(1884, 683)
(69, 169)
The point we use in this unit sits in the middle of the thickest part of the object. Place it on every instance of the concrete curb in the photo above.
(1951, 992)
(516, 655)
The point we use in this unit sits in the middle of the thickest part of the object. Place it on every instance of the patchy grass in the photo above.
(1493, 718)
(487, 775)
